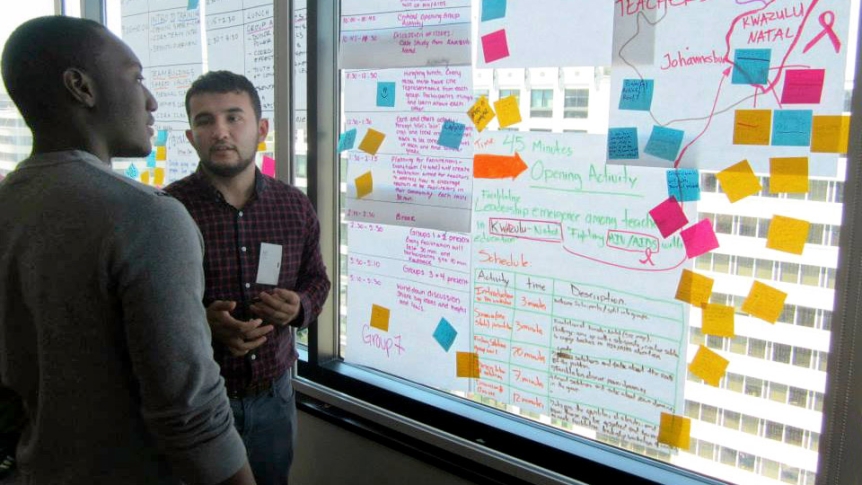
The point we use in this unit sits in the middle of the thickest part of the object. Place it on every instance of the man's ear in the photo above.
(190, 137)
(80, 86)
(262, 129)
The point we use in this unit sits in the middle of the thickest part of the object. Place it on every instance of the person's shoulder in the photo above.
(182, 188)
(286, 191)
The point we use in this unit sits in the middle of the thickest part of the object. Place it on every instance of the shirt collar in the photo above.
(261, 183)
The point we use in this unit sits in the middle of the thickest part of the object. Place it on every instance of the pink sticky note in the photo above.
(803, 86)
(495, 46)
(699, 239)
(668, 216)
(268, 167)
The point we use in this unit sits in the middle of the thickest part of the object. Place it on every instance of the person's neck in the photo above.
(47, 141)
(236, 190)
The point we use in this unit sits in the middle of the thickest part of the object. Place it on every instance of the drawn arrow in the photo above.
(498, 166)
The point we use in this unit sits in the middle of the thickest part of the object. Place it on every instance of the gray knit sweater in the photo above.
(103, 333)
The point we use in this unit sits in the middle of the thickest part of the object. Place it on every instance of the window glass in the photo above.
(778, 392)
(754, 386)
(577, 102)
(802, 357)
(781, 352)
(789, 272)
(763, 269)
(541, 103)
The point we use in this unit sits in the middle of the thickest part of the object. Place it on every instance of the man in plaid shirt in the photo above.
(262, 264)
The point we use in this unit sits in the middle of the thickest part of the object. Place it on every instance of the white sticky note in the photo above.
(269, 265)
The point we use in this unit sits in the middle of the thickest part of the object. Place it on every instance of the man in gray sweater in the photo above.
(102, 330)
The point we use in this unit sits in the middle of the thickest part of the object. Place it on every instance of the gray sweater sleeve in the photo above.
(157, 261)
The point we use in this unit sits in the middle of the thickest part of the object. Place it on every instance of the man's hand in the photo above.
(277, 308)
(239, 337)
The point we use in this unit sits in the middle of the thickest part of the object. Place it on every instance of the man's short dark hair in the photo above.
(36, 55)
(224, 82)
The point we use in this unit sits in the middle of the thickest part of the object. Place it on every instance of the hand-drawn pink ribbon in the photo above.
(827, 20)
(648, 259)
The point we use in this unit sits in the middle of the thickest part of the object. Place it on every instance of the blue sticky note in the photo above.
(684, 184)
(193, 5)
(346, 140)
(792, 127)
(386, 94)
(132, 172)
(493, 9)
(623, 144)
(664, 142)
(161, 138)
(451, 134)
(151, 159)
(637, 94)
(751, 66)
(445, 334)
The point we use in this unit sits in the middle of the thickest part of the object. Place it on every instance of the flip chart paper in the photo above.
(764, 302)
(481, 113)
(718, 320)
(668, 217)
(451, 134)
(738, 181)
(636, 94)
(675, 431)
(364, 185)
(788, 175)
(684, 184)
(694, 288)
(664, 143)
(787, 234)
(622, 144)
(495, 46)
(699, 239)
(468, 365)
(709, 366)
(379, 317)
(372, 141)
(803, 86)
(347, 140)
(752, 126)
(445, 334)
(792, 128)
(507, 111)
(751, 66)
(830, 134)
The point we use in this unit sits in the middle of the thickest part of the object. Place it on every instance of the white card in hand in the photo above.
(269, 265)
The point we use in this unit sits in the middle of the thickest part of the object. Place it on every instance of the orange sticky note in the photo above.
(788, 175)
(694, 288)
(481, 113)
(372, 141)
(159, 177)
(467, 364)
(161, 153)
(738, 181)
(752, 126)
(380, 317)
(145, 177)
(261, 147)
(787, 234)
(508, 111)
(830, 134)
(718, 320)
(764, 302)
(675, 431)
(708, 365)
(364, 185)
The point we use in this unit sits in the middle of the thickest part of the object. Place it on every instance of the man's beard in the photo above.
(227, 171)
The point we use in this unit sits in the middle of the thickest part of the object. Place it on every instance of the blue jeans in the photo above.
(267, 425)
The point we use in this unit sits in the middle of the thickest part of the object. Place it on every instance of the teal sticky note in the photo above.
(664, 143)
(151, 159)
(636, 94)
(792, 127)
(493, 9)
(451, 134)
(386, 94)
(623, 144)
(132, 172)
(193, 4)
(445, 334)
(346, 140)
(161, 138)
(683, 184)
(751, 66)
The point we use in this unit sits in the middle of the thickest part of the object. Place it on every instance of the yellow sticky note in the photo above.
(694, 288)
(675, 431)
(708, 365)
(508, 111)
(788, 174)
(738, 181)
(159, 177)
(787, 234)
(718, 320)
(830, 134)
(372, 141)
(467, 364)
(481, 113)
(364, 184)
(145, 177)
(380, 317)
(261, 147)
(764, 302)
(752, 126)
(161, 153)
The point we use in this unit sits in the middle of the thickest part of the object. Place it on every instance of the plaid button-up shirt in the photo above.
(277, 214)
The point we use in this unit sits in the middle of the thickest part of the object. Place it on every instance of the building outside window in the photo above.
(542, 103)
(577, 103)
